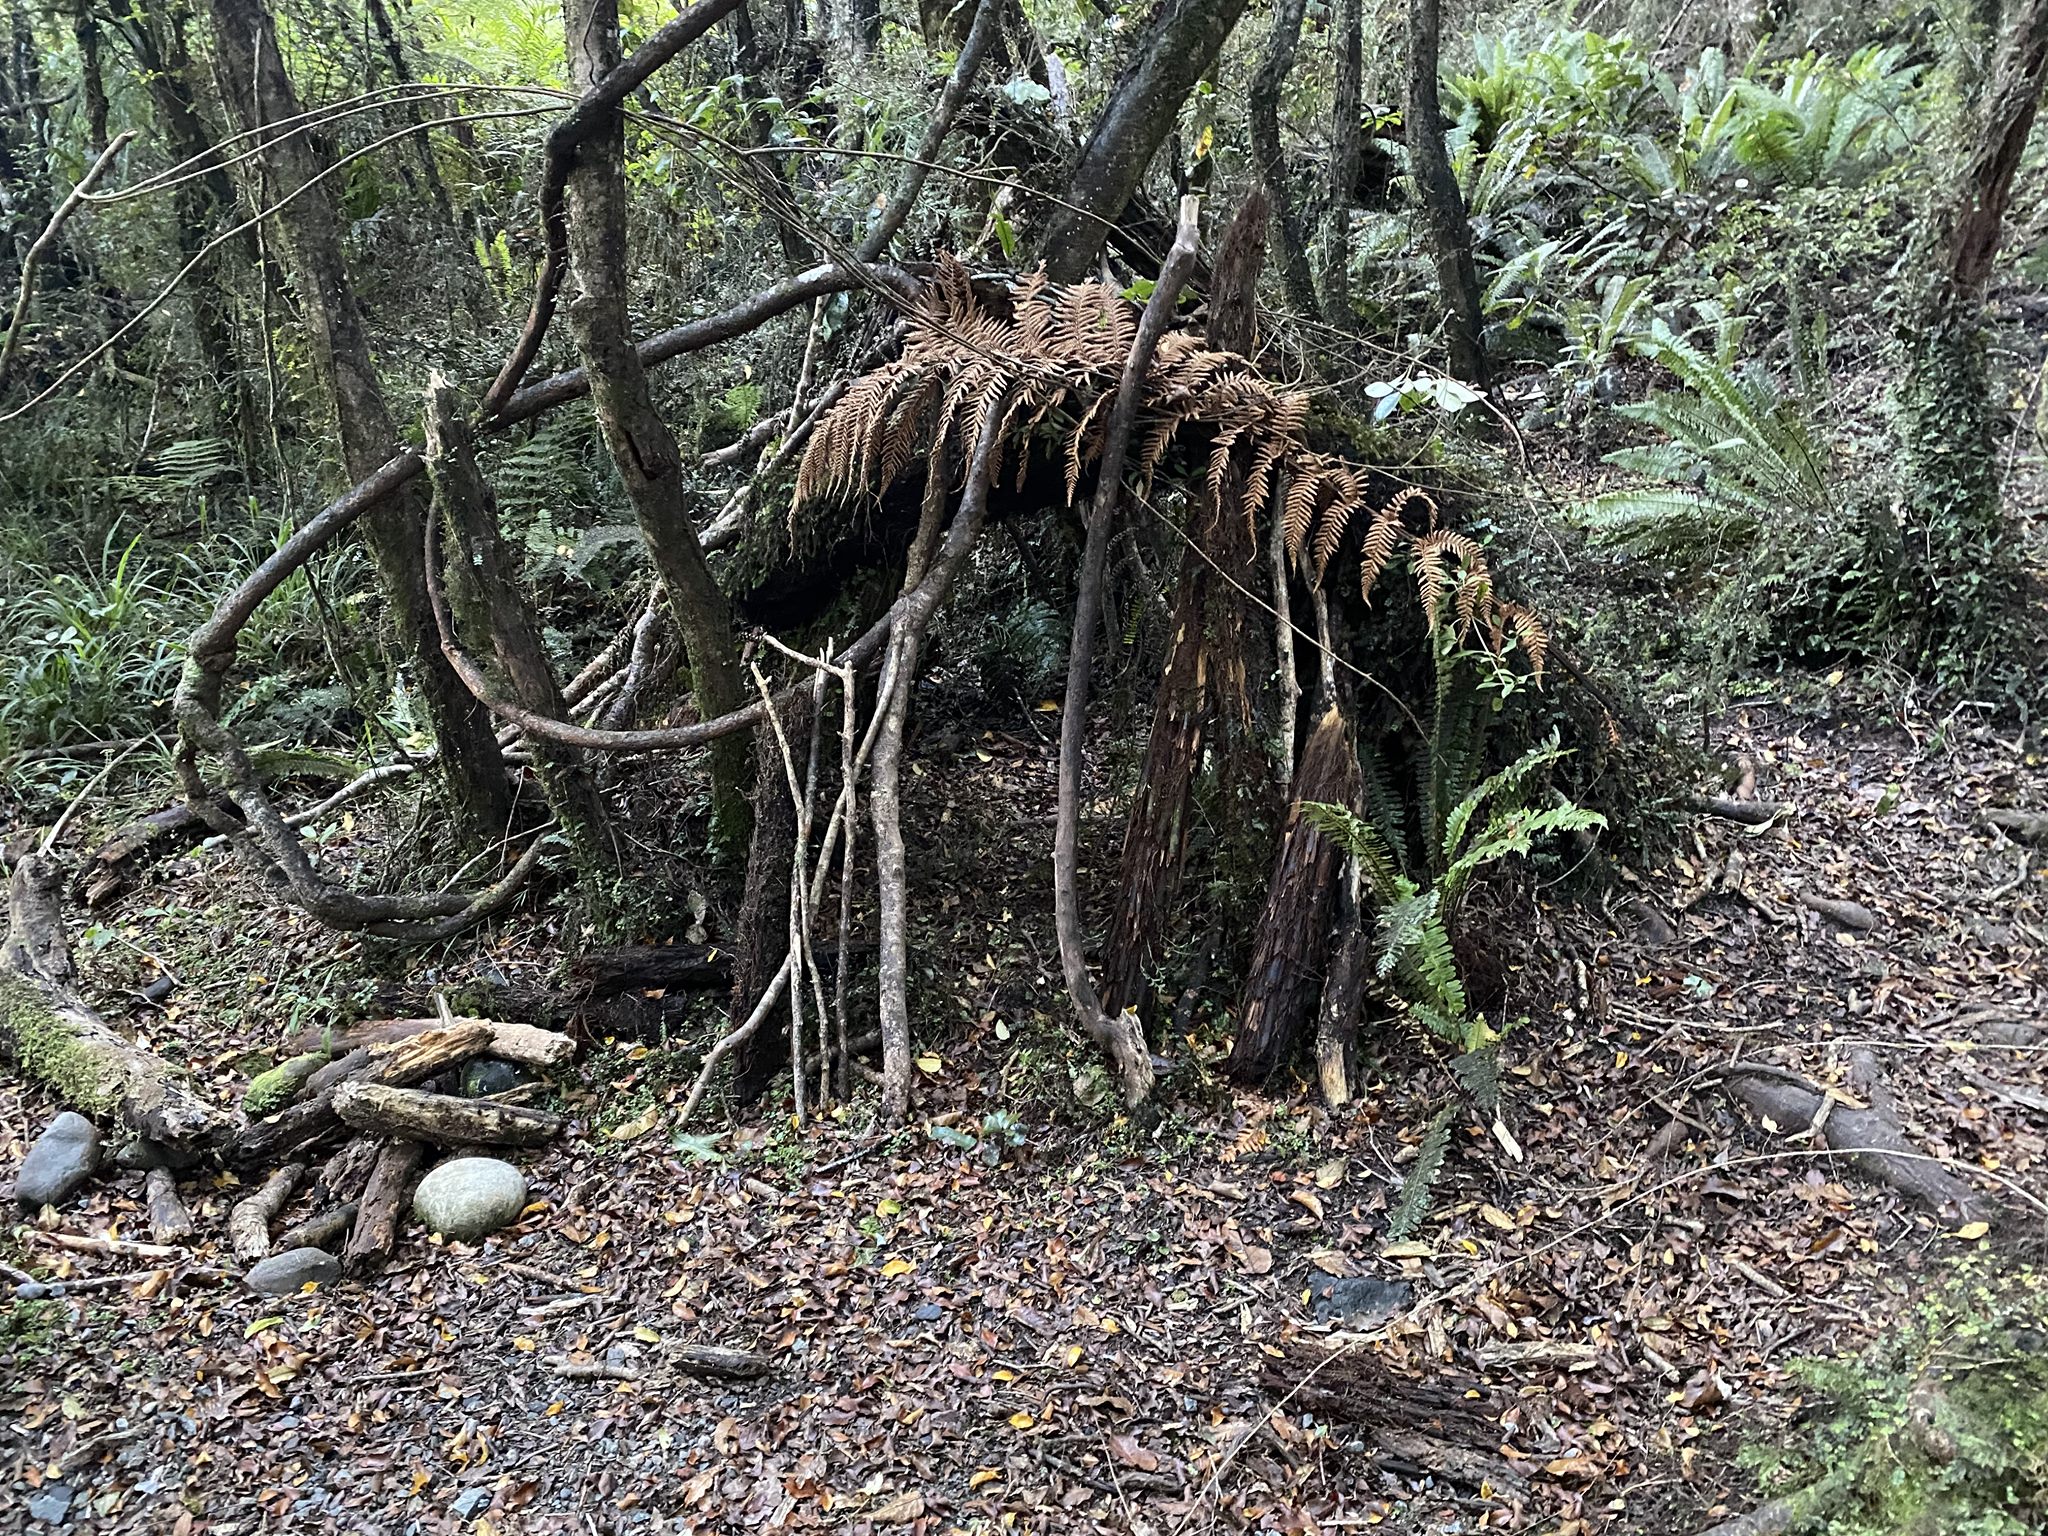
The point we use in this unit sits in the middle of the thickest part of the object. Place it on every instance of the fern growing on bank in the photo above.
(1739, 458)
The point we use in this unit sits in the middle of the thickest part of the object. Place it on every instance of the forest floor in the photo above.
(1110, 1330)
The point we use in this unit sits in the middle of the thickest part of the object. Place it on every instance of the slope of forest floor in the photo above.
(1111, 1329)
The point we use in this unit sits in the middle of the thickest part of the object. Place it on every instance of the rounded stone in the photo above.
(467, 1198)
(283, 1274)
(60, 1163)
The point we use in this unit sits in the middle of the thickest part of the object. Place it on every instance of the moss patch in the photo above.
(47, 1048)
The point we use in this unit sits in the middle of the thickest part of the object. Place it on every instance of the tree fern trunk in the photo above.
(1205, 699)
(1285, 980)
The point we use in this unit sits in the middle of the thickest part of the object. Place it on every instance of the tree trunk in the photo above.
(1967, 575)
(1204, 708)
(1290, 249)
(485, 583)
(259, 91)
(164, 63)
(1285, 980)
(1344, 145)
(1343, 992)
(49, 1035)
(85, 32)
(643, 448)
(1443, 206)
(761, 931)
(1176, 52)
(423, 148)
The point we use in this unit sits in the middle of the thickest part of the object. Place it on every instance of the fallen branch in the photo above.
(1870, 1138)
(2028, 826)
(321, 1230)
(383, 1204)
(1750, 813)
(249, 1221)
(440, 1118)
(169, 1221)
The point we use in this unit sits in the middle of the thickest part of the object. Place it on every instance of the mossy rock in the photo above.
(270, 1091)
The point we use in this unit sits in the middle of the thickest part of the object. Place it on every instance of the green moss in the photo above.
(272, 1090)
(48, 1050)
(1941, 1430)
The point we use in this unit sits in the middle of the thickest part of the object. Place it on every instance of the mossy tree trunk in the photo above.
(49, 1035)
(484, 586)
(642, 446)
(1443, 205)
(259, 91)
(1966, 574)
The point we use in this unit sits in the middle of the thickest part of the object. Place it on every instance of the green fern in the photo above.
(1738, 459)
(1413, 1202)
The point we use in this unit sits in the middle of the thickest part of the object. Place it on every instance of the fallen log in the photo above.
(442, 1118)
(1871, 1139)
(2027, 826)
(689, 967)
(169, 1221)
(399, 1063)
(249, 1221)
(321, 1231)
(346, 1172)
(49, 1034)
(383, 1204)
(522, 1043)
(1750, 813)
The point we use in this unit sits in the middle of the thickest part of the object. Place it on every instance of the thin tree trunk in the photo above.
(1204, 707)
(253, 79)
(485, 583)
(1344, 147)
(1343, 991)
(1443, 206)
(761, 930)
(423, 149)
(1285, 979)
(85, 32)
(1121, 1035)
(1176, 52)
(642, 446)
(1290, 249)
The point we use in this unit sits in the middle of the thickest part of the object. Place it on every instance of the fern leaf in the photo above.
(1413, 1204)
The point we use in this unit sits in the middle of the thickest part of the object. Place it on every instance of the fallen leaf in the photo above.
(1408, 1250)
(901, 1510)
(1133, 1453)
(897, 1267)
(1971, 1231)
(1494, 1216)
(1021, 1420)
(1330, 1174)
(638, 1126)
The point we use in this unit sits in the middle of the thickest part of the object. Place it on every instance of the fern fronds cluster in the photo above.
(1042, 364)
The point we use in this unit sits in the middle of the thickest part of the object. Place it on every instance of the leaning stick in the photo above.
(46, 240)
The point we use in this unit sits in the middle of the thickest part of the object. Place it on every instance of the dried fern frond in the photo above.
(1050, 360)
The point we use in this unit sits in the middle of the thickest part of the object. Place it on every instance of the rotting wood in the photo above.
(51, 1036)
(249, 1221)
(442, 1118)
(375, 1233)
(320, 1231)
(169, 1221)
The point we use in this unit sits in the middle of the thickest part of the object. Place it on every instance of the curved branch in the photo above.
(1121, 1037)
(563, 141)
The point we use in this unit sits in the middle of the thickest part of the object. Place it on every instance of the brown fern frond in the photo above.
(1348, 497)
(1427, 556)
(1529, 630)
(1304, 490)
